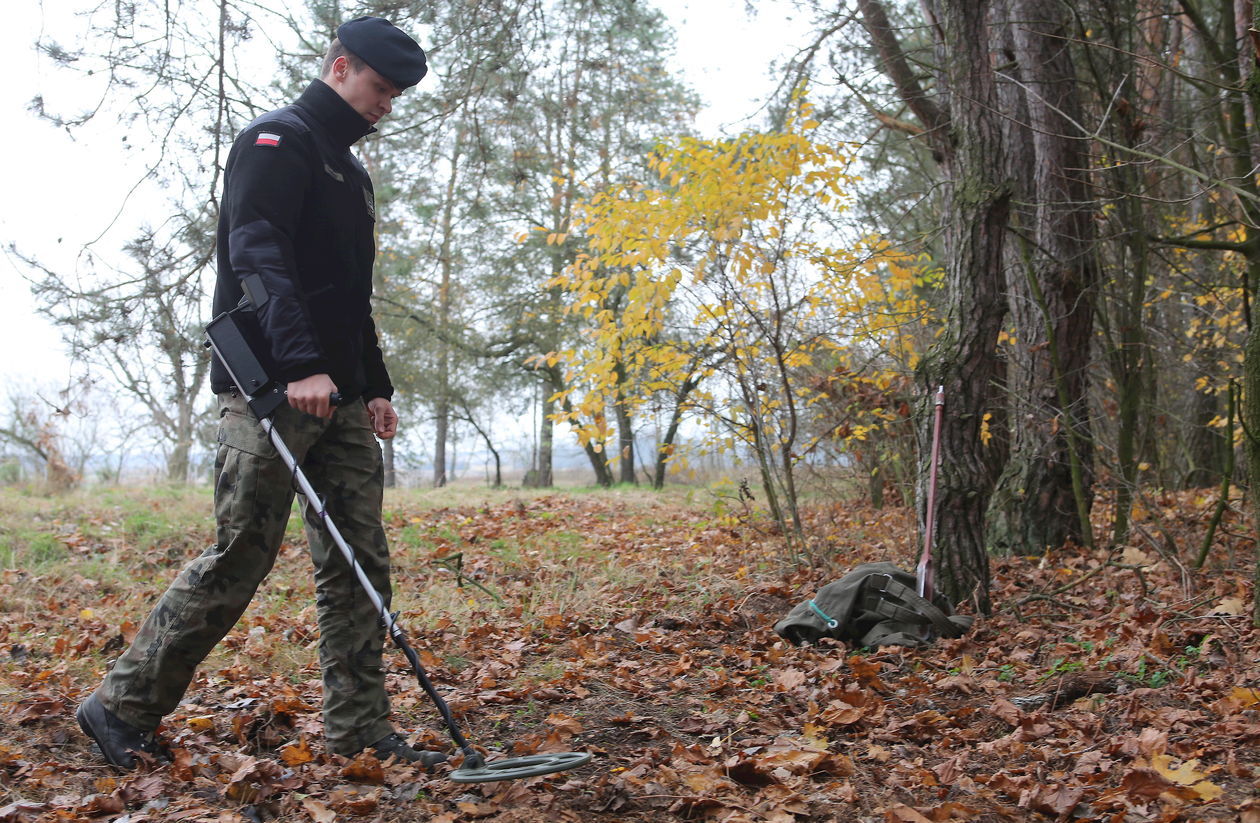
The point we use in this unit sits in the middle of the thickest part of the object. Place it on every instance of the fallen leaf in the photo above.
(790, 678)
(1244, 698)
(1133, 556)
(564, 723)
(204, 723)
(1230, 606)
(296, 753)
(1058, 800)
(319, 812)
(365, 768)
(1187, 774)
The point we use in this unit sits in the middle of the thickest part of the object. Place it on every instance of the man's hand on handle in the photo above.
(384, 418)
(313, 395)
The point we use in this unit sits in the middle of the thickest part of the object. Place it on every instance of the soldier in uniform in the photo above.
(297, 223)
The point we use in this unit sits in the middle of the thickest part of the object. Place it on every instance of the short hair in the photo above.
(338, 50)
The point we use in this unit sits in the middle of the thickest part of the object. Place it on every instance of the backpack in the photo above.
(875, 604)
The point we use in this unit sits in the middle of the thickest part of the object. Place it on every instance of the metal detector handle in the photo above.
(334, 398)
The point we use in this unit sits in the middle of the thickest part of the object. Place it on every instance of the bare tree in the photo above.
(170, 71)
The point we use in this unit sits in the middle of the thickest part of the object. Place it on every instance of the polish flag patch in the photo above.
(266, 138)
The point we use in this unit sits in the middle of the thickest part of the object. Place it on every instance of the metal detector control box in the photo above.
(236, 339)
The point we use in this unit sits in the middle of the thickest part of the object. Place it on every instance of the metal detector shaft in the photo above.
(471, 756)
(395, 631)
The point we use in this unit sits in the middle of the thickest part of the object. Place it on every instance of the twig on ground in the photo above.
(1069, 586)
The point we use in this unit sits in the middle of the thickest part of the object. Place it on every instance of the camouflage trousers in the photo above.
(253, 497)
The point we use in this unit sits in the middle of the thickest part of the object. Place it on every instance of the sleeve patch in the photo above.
(266, 138)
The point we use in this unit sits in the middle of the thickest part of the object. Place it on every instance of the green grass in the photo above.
(117, 548)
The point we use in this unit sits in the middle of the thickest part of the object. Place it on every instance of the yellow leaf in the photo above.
(86, 614)
(985, 434)
(815, 736)
(1245, 698)
(1187, 774)
(204, 723)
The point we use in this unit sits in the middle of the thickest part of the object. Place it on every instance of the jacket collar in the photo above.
(342, 123)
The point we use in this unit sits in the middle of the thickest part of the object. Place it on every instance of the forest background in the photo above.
(1043, 212)
(1054, 227)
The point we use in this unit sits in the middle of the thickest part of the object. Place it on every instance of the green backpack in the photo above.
(874, 605)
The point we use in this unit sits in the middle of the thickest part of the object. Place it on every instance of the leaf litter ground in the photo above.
(1114, 686)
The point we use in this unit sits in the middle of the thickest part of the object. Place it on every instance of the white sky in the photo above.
(60, 193)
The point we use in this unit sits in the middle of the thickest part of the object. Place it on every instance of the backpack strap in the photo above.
(892, 634)
(831, 622)
(902, 607)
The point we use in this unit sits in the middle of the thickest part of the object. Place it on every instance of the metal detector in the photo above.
(235, 339)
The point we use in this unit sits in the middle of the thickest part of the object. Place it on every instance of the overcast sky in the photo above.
(60, 193)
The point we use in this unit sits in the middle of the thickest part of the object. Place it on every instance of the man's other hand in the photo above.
(384, 418)
(313, 395)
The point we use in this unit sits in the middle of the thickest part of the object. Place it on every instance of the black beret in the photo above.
(386, 48)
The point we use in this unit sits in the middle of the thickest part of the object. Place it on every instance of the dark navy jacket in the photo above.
(298, 210)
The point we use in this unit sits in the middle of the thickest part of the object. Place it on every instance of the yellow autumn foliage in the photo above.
(725, 264)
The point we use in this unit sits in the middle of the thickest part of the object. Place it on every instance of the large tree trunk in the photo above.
(1251, 376)
(1251, 414)
(977, 205)
(179, 461)
(965, 134)
(1045, 492)
(596, 455)
(1206, 447)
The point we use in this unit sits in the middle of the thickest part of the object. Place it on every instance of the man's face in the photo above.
(371, 95)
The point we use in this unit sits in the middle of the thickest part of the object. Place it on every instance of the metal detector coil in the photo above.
(515, 768)
(235, 340)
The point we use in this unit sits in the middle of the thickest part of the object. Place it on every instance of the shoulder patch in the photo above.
(267, 138)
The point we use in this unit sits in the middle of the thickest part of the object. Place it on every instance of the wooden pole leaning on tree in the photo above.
(924, 571)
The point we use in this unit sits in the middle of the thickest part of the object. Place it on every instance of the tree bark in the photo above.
(978, 199)
(1045, 493)
(965, 134)
(625, 433)
(1251, 372)
(546, 441)
(665, 450)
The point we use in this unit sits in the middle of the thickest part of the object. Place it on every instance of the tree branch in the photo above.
(895, 65)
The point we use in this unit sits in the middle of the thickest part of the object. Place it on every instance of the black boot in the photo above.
(119, 741)
(392, 745)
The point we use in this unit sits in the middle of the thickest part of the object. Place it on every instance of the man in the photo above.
(297, 226)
